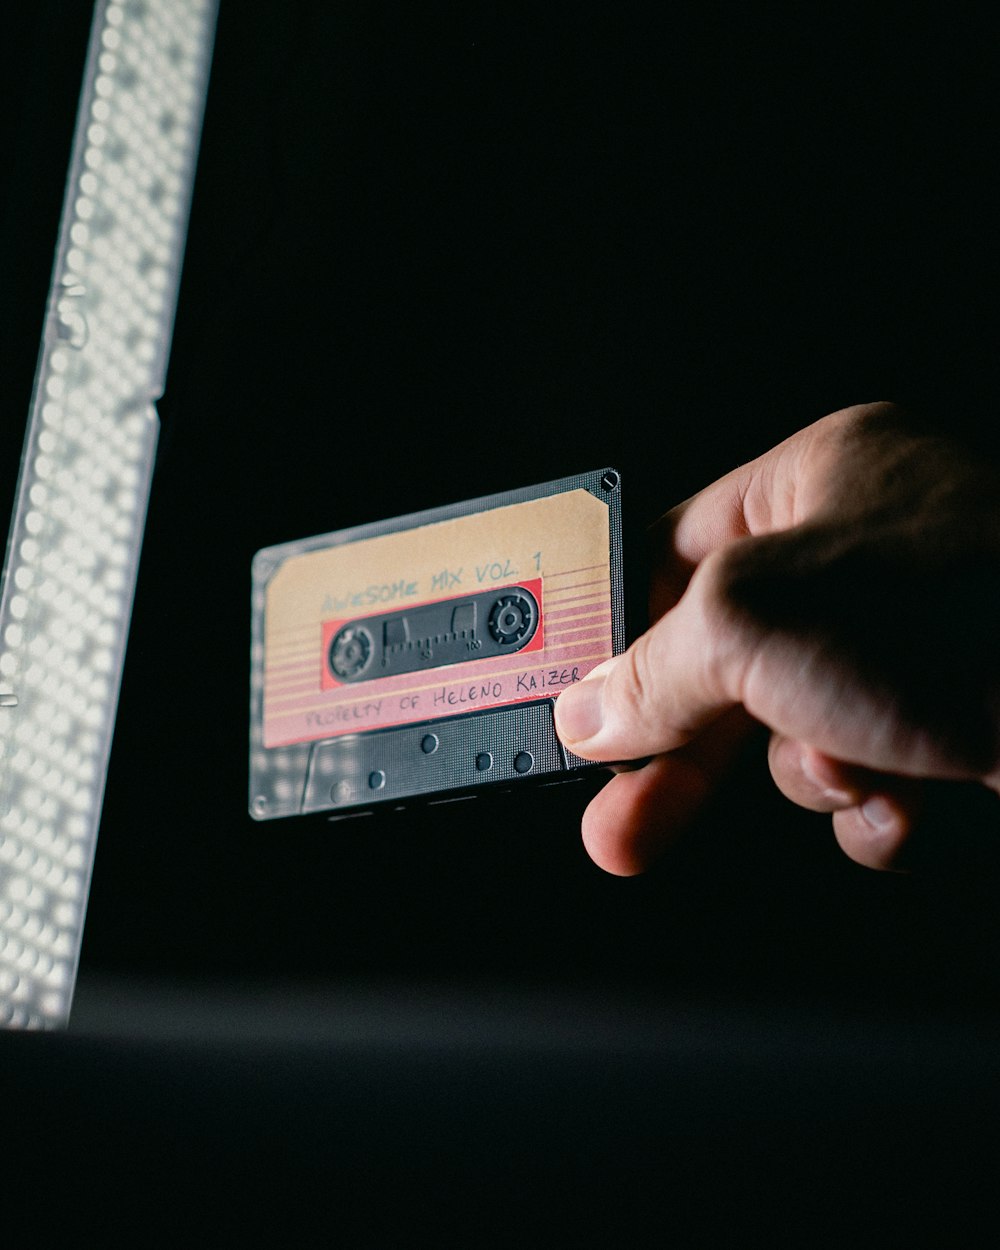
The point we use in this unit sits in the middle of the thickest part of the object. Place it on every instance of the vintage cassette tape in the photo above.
(422, 656)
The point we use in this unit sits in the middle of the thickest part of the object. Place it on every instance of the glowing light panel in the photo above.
(80, 506)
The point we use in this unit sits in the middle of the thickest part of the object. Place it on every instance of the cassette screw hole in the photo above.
(523, 762)
(260, 806)
(484, 761)
(341, 792)
(610, 480)
(429, 744)
(376, 779)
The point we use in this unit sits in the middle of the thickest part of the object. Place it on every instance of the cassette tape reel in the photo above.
(422, 656)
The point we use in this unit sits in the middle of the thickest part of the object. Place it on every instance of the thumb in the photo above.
(679, 676)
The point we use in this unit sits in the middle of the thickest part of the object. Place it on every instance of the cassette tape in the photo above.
(422, 656)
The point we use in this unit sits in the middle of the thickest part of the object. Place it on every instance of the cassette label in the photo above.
(424, 654)
(547, 561)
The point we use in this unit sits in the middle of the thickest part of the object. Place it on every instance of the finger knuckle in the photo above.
(636, 680)
(728, 577)
(862, 420)
(733, 626)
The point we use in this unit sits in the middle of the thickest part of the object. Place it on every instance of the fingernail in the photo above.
(578, 710)
(833, 794)
(879, 813)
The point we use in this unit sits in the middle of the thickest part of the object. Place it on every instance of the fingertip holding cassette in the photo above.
(422, 656)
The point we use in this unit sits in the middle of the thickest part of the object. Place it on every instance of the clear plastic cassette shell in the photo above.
(422, 656)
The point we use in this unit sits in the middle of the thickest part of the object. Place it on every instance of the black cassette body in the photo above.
(422, 656)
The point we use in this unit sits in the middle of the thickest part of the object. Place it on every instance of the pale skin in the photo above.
(843, 590)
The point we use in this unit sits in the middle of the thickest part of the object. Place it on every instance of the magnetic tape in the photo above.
(422, 656)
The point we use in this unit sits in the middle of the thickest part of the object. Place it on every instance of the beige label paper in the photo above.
(557, 545)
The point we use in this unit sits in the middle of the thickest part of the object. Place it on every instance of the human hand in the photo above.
(843, 589)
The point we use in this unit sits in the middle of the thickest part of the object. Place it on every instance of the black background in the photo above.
(438, 251)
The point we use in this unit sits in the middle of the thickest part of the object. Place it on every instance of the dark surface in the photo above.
(439, 254)
(404, 1115)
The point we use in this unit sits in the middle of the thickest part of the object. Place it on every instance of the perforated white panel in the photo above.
(72, 553)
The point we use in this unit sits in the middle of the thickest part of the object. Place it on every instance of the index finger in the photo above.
(773, 492)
